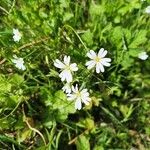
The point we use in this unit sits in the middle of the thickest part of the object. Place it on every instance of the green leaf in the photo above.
(126, 111)
(127, 61)
(62, 105)
(116, 36)
(139, 38)
(87, 123)
(64, 3)
(25, 134)
(46, 96)
(134, 52)
(83, 143)
(88, 37)
(96, 9)
(42, 13)
(16, 79)
(67, 16)
(4, 138)
(5, 86)
(98, 148)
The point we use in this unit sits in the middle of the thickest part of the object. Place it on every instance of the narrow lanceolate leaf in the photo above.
(10, 140)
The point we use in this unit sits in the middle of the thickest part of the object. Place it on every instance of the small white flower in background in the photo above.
(98, 60)
(66, 68)
(19, 62)
(147, 10)
(143, 56)
(16, 35)
(67, 88)
(79, 96)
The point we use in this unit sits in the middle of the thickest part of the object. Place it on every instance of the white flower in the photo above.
(147, 10)
(143, 56)
(17, 35)
(79, 97)
(19, 62)
(67, 88)
(98, 60)
(66, 69)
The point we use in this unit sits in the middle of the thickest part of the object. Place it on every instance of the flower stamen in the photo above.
(97, 59)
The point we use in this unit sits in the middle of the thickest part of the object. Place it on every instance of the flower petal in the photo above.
(14, 61)
(67, 60)
(76, 88)
(100, 52)
(106, 64)
(59, 64)
(90, 64)
(91, 54)
(16, 35)
(99, 68)
(104, 53)
(71, 97)
(105, 61)
(84, 91)
(62, 76)
(86, 101)
(78, 104)
(66, 88)
(68, 76)
(19, 62)
(23, 67)
(73, 89)
(73, 67)
(143, 56)
(15, 31)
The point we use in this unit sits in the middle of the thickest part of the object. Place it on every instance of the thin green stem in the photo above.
(11, 111)
(3, 9)
(76, 35)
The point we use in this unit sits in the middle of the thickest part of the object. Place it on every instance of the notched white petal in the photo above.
(91, 54)
(78, 104)
(106, 59)
(90, 64)
(66, 69)
(100, 52)
(68, 76)
(67, 60)
(98, 60)
(99, 67)
(104, 53)
(73, 67)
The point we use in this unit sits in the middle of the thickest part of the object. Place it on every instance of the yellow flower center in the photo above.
(78, 94)
(68, 67)
(97, 59)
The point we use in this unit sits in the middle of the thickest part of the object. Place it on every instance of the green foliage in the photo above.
(35, 112)
(83, 143)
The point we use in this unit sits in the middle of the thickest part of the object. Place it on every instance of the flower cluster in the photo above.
(17, 35)
(79, 96)
(97, 61)
(67, 70)
(19, 62)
